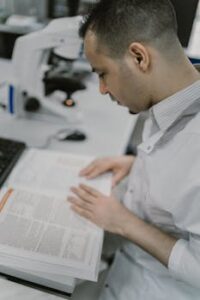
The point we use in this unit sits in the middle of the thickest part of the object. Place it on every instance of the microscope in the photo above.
(44, 74)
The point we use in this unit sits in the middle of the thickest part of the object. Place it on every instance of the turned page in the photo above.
(54, 173)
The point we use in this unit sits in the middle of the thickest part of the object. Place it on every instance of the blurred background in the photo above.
(18, 17)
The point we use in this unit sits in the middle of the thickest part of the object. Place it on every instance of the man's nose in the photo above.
(103, 88)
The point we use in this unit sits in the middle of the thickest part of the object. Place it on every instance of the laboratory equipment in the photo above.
(38, 77)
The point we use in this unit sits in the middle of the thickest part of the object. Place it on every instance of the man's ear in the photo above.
(140, 55)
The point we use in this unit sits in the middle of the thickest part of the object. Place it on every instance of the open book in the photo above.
(41, 238)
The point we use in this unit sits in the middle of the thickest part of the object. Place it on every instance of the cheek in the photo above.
(132, 95)
(115, 87)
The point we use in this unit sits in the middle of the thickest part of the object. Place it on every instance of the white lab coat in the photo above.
(164, 189)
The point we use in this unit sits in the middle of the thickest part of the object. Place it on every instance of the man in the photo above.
(133, 47)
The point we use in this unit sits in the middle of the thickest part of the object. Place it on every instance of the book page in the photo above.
(44, 228)
(37, 227)
(54, 173)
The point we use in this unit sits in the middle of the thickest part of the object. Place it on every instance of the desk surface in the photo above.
(14, 291)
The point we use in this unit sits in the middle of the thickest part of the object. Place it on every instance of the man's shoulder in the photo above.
(193, 127)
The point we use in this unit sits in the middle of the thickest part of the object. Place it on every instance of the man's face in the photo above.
(118, 78)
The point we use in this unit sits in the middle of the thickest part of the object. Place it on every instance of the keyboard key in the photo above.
(10, 151)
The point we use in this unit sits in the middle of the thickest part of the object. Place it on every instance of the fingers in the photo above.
(88, 170)
(77, 202)
(90, 190)
(86, 193)
(97, 167)
(84, 203)
(82, 194)
(82, 212)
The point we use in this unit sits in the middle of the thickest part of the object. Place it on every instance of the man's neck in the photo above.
(175, 79)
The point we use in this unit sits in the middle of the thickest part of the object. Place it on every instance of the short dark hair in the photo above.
(117, 23)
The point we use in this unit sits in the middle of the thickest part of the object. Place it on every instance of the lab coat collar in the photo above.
(166, 112)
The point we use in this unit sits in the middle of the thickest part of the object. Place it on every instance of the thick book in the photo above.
(41, 239)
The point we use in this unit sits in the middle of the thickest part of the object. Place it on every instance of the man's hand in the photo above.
(119, 166)
(104, 211)
(112, 216)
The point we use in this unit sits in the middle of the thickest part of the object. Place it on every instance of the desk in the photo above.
(107, 126)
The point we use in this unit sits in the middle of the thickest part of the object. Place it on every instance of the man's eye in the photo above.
(101, 75)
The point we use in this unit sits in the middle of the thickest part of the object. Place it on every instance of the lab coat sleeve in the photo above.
(184, 261)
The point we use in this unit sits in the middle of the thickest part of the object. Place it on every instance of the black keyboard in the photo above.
(10, 151)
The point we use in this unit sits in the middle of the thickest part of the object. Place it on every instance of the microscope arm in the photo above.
(31, 54)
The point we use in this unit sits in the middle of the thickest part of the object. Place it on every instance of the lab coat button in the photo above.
(106, 285)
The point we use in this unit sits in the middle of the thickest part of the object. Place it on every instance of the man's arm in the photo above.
(151, 239)
(114, 217)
